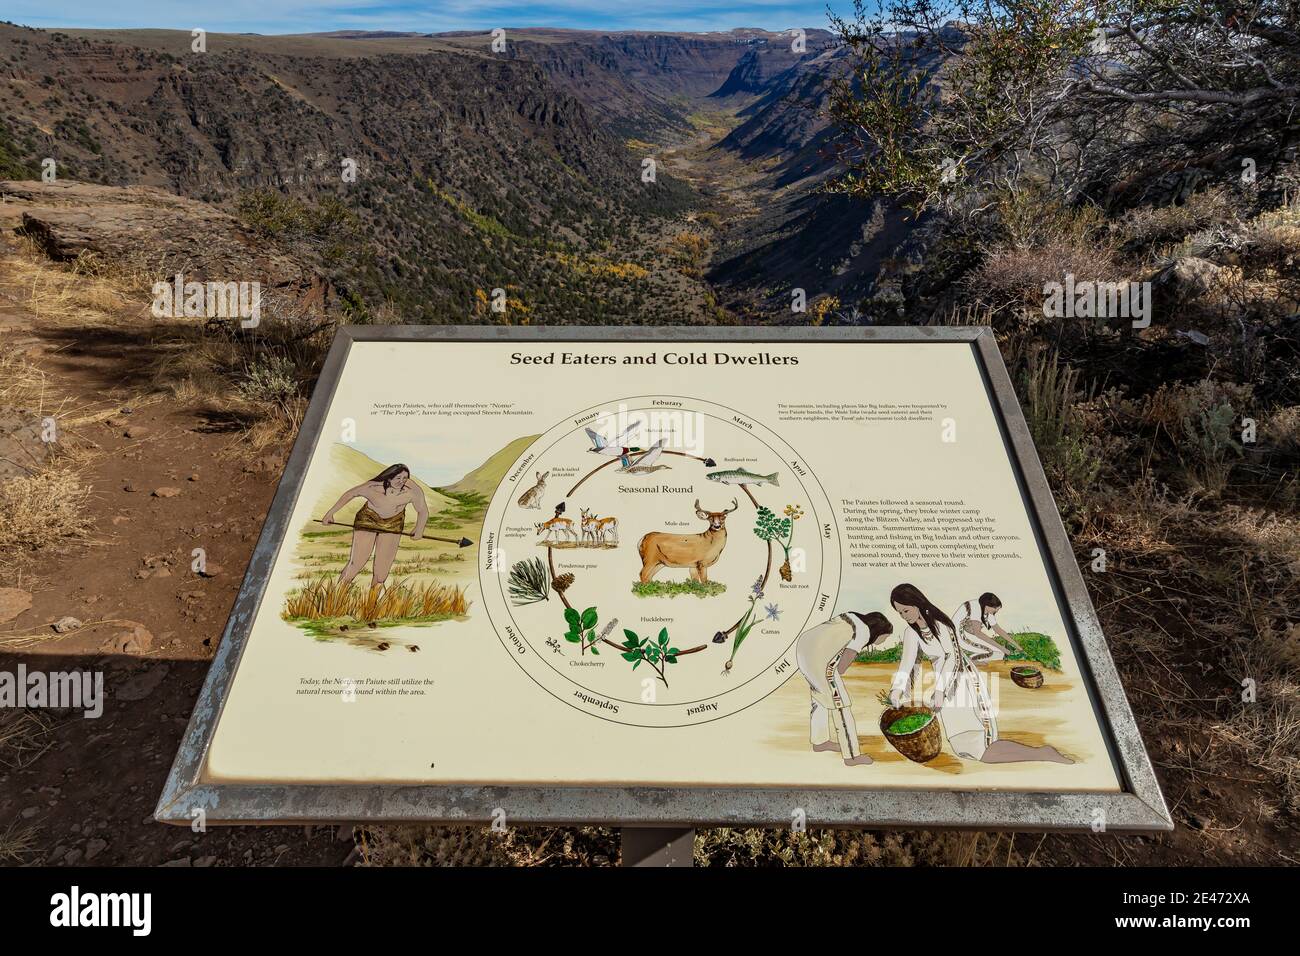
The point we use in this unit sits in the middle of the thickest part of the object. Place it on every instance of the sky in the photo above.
(424, 16)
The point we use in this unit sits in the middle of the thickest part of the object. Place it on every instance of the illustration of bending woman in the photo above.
(974, 620)
(960, 697)
(378, 527)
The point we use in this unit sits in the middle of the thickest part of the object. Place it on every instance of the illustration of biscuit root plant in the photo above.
(770, 528)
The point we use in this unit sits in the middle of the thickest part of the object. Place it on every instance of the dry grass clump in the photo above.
(22, 384)
(1069, 447)
(1282, 429)
(1265, 723)
(24, 736)
(482, 846)
(1043, 242)
(87, 291)
(40, 511)
(1017, 276)
(1029, 218)
(17, 841)
(600, 846)
(327, 598)
(260, 376)
(1271, 256)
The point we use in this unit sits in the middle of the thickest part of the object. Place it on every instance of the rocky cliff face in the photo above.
(805, 237)
(646, 85)
(474, 170)
(469, 169)
(754, 74)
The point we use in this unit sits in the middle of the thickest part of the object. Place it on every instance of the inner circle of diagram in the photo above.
(652, 560)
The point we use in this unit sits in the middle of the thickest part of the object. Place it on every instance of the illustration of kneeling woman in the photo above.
(378, 526)
(824, 655)
(960, 696)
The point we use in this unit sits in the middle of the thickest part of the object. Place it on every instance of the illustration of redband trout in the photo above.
(739, 476)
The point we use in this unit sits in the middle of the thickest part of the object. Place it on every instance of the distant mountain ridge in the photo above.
(349, 467)
(487, 477)
(482, 173)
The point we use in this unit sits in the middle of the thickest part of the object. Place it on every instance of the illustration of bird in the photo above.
(638, 458)
(616, 449)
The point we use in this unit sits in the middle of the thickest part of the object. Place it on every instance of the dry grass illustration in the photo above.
(327, 599)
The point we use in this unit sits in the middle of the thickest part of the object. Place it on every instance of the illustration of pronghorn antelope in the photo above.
(532, 498)
(597, 530)
(699, 552)
(556, 525)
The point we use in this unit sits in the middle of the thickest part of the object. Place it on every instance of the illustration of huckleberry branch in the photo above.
(657, 651)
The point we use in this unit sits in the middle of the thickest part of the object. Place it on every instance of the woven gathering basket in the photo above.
(920, 745)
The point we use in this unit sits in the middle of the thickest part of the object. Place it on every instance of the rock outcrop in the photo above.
(147, 228)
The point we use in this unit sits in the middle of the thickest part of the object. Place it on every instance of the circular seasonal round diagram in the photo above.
(652, 560)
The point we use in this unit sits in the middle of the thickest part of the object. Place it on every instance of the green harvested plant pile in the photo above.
(910, 724)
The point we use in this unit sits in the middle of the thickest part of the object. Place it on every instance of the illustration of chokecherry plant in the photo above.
(582, 628)
(656, 651)
(770, 528)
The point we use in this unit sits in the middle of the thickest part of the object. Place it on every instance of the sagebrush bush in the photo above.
(1011, 276)
(269, 380)
(1150, 226)
(1204, 421)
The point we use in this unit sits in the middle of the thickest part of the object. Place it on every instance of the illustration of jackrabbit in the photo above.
(532, 498)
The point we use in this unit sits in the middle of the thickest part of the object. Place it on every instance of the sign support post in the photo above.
(658, 846)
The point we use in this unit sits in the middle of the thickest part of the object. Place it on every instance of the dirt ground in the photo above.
(90, 796)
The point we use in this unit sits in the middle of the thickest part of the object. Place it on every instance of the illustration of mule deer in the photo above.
(699, 552)
(532, 498)
(595, 529)
(556, 525)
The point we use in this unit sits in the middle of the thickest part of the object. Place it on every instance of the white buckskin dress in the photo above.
(967, 713)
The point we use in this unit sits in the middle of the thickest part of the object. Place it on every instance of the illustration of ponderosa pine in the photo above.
(530, 582)
(769, 527)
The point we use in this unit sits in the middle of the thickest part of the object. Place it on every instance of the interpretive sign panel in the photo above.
(655, 576)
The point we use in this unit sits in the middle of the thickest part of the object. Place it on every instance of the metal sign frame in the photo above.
(1138, 807)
